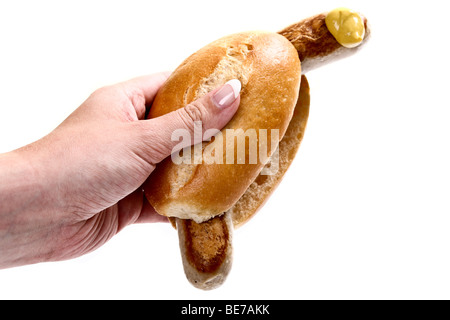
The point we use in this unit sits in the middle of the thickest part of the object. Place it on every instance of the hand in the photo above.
(71, 191)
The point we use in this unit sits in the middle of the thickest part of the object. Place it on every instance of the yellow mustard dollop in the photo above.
(346, 26)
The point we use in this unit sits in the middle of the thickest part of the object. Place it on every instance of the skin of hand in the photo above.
(71, 191)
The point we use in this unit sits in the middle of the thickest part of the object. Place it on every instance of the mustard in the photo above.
(346, 26)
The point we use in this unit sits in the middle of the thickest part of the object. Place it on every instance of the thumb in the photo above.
(198, 120)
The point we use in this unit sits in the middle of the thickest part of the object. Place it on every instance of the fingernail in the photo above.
(227, 94)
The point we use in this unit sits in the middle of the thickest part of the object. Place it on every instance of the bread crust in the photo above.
(269, 69)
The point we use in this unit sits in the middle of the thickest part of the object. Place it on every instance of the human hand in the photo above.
(71, 191)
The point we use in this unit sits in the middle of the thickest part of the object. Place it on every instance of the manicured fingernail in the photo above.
(227, 94)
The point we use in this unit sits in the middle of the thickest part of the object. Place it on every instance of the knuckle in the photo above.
(134, 94)
(195, 111)
(103, 91)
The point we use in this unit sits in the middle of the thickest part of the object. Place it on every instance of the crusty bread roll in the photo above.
(269, 70)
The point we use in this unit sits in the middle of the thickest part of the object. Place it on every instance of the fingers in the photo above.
(135, 208)
(149, 214)
(148, 85)
(181, 128)
(142, 90)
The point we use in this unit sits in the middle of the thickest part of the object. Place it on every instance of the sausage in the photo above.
(315, 44)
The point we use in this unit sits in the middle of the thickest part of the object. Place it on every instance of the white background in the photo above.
(364, 210)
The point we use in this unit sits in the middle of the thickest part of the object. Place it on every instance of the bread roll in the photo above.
(269, 70)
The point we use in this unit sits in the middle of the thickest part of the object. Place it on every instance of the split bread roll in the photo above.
(207, 201)
(268, 68)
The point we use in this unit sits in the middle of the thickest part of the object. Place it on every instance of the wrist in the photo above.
(24, 212)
